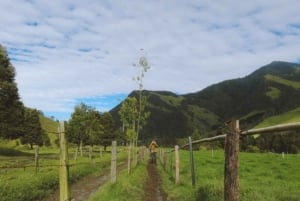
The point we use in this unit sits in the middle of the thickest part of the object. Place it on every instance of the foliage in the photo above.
(128, 113)
(88, 126)
(33, 133)
(76, 129)
(12, 109)
(84, 127)
(109, 134)
(142, 100)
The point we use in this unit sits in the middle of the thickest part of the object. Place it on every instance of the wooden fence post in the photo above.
(177, 164)
(165, 160)
(114, 162)
(231, 169)
(129, 159)
(64, 166)
(192, 162)
(171, 165)
(36, 159)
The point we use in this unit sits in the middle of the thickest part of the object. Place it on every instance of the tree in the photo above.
(33, 133)
(12, 109)
(88, 126)
(128, 113)
(109, 133)
(76, 131)
(142, 100)
(132, 112)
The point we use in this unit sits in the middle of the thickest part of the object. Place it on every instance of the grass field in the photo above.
(19, 181)
(128, 187)
(263, 177)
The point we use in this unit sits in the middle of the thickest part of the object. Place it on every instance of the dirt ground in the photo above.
(153, 188)
(82, 189)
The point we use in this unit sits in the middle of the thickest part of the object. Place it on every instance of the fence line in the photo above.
(231, 149)
(279, 127)
(64, 187)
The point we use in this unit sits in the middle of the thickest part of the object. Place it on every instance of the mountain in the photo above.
(271, 90)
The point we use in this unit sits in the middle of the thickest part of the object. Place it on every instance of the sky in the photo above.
(70, 51)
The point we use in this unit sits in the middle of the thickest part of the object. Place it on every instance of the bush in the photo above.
(253, 149)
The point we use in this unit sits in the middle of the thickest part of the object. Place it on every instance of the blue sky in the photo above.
(71, 51)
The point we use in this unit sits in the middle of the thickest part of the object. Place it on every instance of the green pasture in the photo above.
(128, 187)
(274, 78)
(287, 117)
(20, 182)
(263, 177)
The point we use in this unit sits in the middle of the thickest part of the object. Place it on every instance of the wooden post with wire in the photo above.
(192, 162)
(113, 162)
(177, 162)
(64, 189)
(231, 169)
(36, 160)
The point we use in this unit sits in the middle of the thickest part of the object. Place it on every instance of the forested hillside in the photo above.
(271, 90)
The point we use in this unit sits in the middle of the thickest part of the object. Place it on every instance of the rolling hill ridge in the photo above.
(271, 90)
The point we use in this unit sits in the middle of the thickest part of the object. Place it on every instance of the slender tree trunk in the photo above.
(76, 153)
(129, 157)
(91, 152)
(139, 115)
(80, 147)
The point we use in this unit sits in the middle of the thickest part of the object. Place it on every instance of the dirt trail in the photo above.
(83, 189)
(153, 188)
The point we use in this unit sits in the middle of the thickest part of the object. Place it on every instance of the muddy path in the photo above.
(153, 187)
(84, 188)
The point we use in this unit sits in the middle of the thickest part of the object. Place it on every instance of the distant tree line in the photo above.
(88, 126)
(288, 142)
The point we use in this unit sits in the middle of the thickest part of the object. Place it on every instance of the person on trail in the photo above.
(152, 148)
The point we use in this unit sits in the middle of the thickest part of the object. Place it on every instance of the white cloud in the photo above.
(68, 50)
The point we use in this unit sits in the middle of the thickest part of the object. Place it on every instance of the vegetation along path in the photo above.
(153, 188)
(83, 189)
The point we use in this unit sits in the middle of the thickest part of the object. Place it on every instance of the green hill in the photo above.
(287, 117)
(273, 89)
(50, 127)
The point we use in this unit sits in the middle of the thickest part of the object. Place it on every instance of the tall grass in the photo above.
(128, 187)
(263, 177)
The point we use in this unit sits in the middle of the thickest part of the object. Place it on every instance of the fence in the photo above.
(231, 149)
(63, 166)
